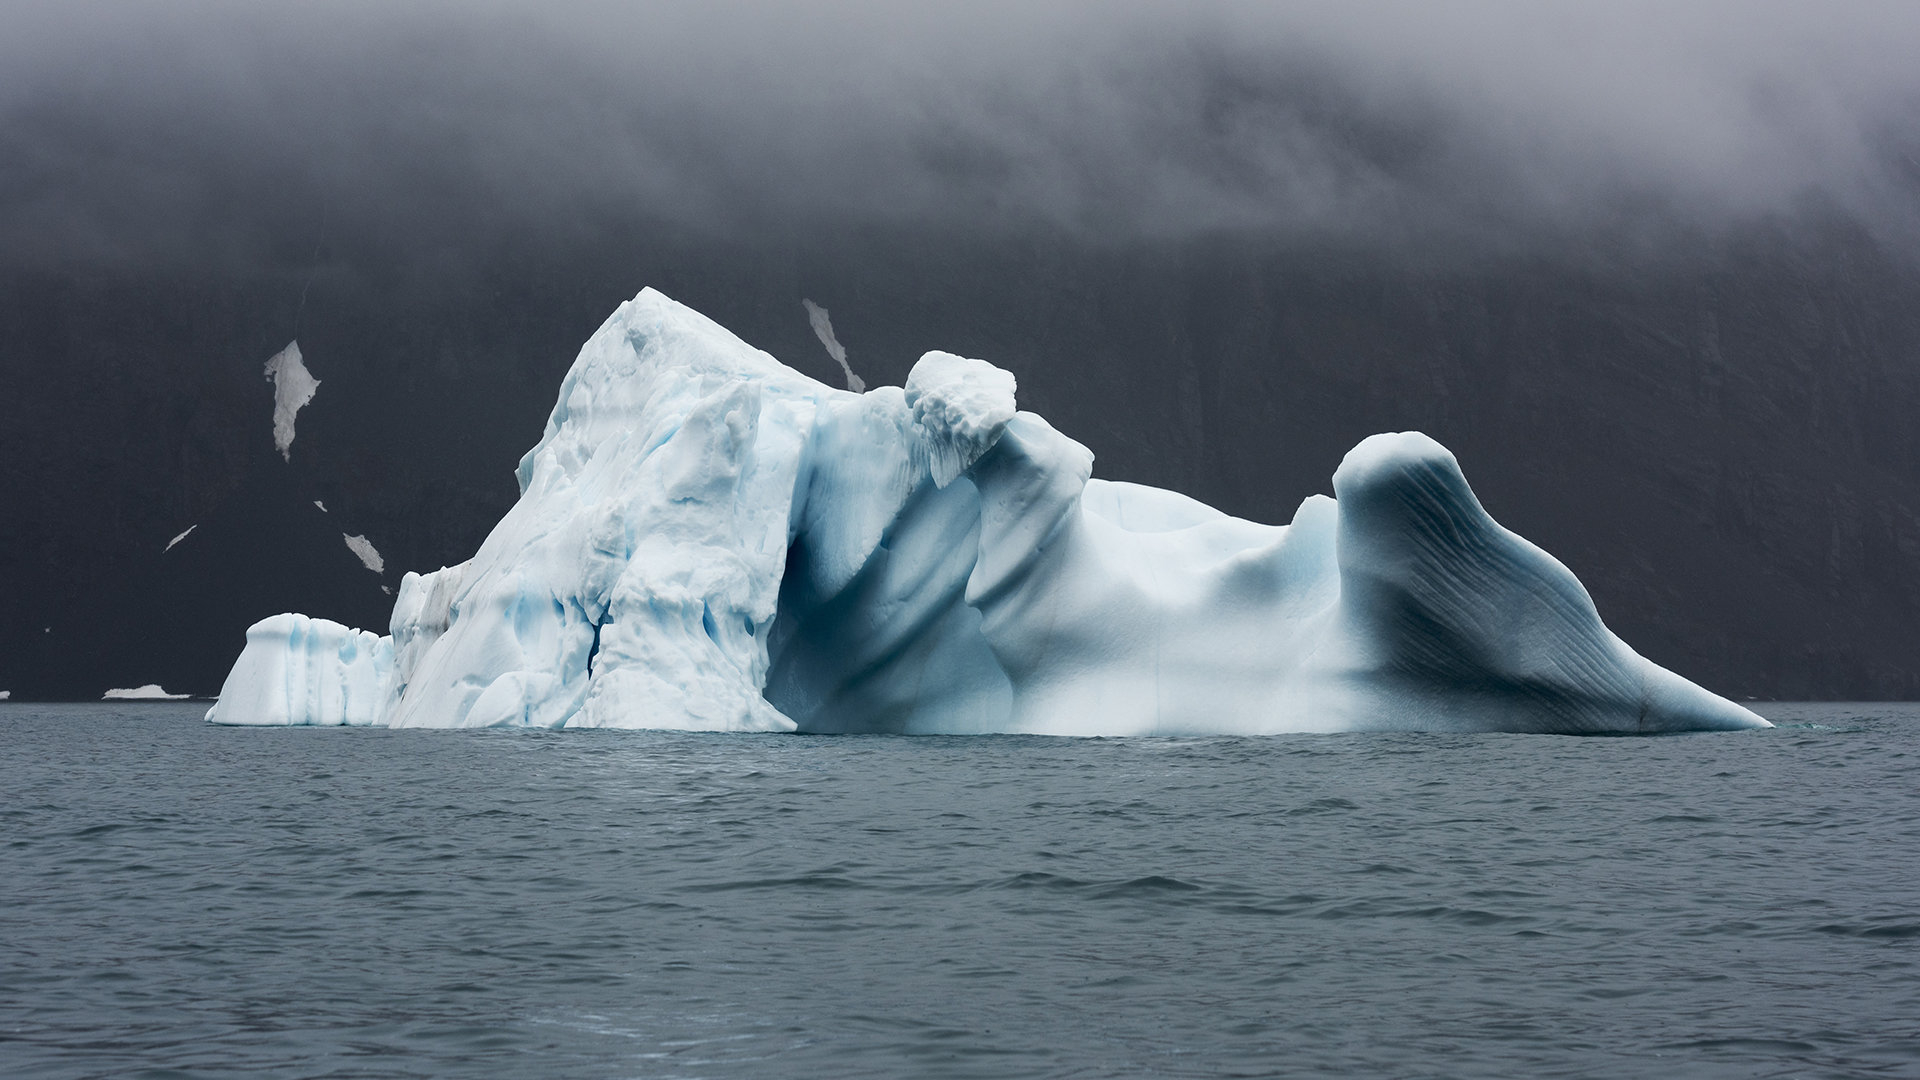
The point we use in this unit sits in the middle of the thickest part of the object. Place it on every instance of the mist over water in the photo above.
(374, 903)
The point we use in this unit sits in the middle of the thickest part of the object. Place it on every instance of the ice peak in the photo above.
(961, 406)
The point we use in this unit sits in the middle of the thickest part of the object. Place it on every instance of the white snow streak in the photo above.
(823, 329)
(179, 538)
(293, 387)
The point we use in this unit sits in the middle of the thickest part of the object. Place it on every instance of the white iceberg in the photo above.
(708, 540)
(311, 671)
(149, 692)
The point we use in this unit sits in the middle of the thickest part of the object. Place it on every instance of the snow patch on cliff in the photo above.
(364, 550)
(293, 387)
(823, 329)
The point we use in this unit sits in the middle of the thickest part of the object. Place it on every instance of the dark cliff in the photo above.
(1714, 433)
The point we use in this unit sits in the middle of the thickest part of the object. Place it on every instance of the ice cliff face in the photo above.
(706, 539)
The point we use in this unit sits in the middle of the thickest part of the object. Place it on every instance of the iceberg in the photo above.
(311, 671)
(148, 692)
(708, 540)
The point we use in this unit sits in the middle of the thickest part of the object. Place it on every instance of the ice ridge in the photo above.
(708, 540)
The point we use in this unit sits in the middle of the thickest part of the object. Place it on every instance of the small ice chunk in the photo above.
(960, 406)
(179, 538)
(823, 329)
(321, 505)
(5, 694)
(293, 387)
(363, 548)
(149, 692)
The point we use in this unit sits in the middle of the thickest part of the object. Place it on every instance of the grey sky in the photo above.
(129, 130)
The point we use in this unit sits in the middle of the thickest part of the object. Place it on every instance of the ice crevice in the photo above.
(708, 540)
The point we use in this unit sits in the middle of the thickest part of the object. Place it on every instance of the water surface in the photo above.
(178, 899)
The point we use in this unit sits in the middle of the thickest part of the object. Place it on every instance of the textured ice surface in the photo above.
(293, 387)
(960, 407)
(297, 670)
(706, 539)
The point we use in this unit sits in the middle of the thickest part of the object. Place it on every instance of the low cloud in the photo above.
(134, 131)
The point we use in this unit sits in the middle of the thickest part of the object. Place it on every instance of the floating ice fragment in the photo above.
(5, 694)
(823, 329)
(363, 548)
(149, 692)
(321, 505)
(293, 387)
(179, 538)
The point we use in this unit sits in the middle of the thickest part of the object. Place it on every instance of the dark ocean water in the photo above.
(182, 900)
